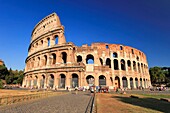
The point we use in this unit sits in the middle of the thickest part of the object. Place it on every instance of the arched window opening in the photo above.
(64, 57)
(90, 80)
(107, 47)
(144, 83)
(132, 51)
(137, 58)
(56, 39)
(129, 64)
(121, 48)
(48, 42)
(51, 81)
(102, 80)
(54, 58)
(116, 67)
(101, 61)
(124, 80)
(79, 58)
(108, 62)
(122, 64)
(41, 42)
(62, 81)
(117, 82)
(89, 59)
(115, 55)
(136, 82)
(38, 63)
(45, 60)
(142, 68)
(134, 65)
(75, 81)
(139, 68)
(131, 83)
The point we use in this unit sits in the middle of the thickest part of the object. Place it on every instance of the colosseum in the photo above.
(54, 63)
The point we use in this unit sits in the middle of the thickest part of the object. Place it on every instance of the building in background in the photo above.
(54, 63)
(1, 62)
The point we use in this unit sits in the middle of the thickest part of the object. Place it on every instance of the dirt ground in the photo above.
(120, 103)
(5, 92)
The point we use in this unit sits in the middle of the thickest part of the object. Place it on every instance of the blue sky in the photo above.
(142, 24)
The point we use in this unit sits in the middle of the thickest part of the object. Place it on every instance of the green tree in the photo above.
(3, 71)
(157, 75)
(1, 84)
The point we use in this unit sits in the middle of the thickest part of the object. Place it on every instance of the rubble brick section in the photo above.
(54, 63)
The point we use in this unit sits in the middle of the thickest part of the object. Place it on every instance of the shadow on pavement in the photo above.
(150, 103)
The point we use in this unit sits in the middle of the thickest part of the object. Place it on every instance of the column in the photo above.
(121, 83)
(128, 82)
(134, 83)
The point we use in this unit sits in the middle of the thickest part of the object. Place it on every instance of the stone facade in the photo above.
(53, 62)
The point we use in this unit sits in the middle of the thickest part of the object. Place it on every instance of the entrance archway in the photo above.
(90, 80)
(51, 81)
(136, 82)
(62, 80)
(117, 82)
(102, 80)
(131, 83)
(74, 81)
(42, 81)
(125, 84)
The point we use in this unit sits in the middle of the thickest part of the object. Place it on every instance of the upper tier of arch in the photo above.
(47, 24)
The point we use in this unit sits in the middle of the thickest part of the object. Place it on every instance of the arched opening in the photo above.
(102, 80)
(51, 81)
(108, 62)
(141, 82)
(90, 80)
(137, 58)
(134, 65)
(116, 67)
(121, 48)
(75, 81)
(64, 57)
(35, 81)
(54, 58)
(38, 63)
(136, 82)
(142, 68)
(115, 55)
(79, 58)
(89, 59)
(131, 83)
(62, 80)
(117, 82)
(42, 81)
(56, 39)
(45, 60)
(48, 42)
(101, 61)
(122, 64)
(125, 84)
(139, 68)
(129, 64)
(144, 83)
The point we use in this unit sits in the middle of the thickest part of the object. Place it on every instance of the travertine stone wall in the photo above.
(54, 63)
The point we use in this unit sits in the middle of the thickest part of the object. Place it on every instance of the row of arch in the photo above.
(44, 43)
(119, 82)
(43, 61)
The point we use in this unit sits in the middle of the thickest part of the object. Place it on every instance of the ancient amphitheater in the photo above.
(52, 62)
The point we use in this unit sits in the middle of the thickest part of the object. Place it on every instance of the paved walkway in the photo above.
(68, 103)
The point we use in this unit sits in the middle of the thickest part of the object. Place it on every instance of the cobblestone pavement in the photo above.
(67, 103)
